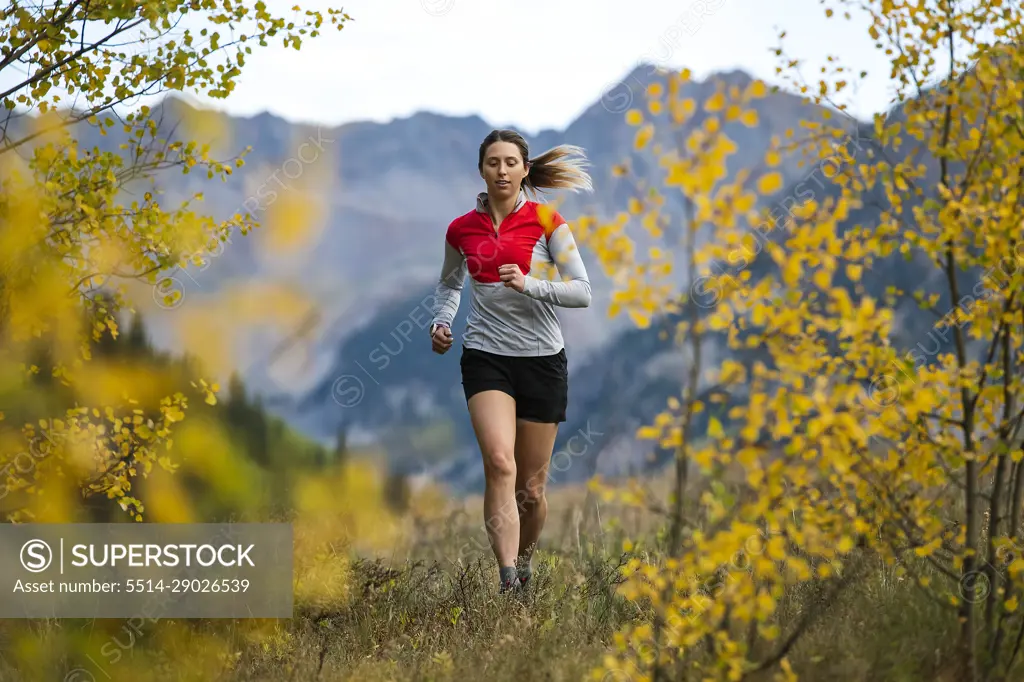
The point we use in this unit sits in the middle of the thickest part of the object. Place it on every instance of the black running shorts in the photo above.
(540, 384)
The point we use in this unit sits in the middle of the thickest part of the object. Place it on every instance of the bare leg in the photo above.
(493, 414)
(533, 446)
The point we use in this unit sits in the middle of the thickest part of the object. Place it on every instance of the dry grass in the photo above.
(428, 609)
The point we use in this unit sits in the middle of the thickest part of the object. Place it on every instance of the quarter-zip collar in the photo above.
(481, 202)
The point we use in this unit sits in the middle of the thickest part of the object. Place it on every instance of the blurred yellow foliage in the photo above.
(823, 442)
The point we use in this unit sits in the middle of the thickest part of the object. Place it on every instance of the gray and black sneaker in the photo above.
(508, 580)
(524, 574)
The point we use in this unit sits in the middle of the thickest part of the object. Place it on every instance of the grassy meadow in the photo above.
(412, 596)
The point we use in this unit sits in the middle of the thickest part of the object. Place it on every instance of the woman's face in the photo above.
(503, 169)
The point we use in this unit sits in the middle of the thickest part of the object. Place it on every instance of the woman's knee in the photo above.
(499, 464)
(531, 493)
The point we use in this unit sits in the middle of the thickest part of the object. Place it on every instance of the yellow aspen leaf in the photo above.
(769, 183)
(745, 202)
(823, 279)
(715, 428)
(643, 136)
(640, 319)
(792, 271)
(777, 548)
(854, 272)
(929, 548)
(750, 118)
(732, 371)
(721, 319)
(1011, 604)
(757, 89)
(634, 117)
(715, 103)
(682, 110)
(799, 568)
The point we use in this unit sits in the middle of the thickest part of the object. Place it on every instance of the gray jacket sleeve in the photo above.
(574, 293)
(448, 291)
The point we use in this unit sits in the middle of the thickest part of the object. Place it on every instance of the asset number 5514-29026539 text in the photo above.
(188, 585)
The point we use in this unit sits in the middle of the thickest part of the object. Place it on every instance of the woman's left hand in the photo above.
(512, 276)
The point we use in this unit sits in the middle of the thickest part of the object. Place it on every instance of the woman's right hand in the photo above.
(441, 340)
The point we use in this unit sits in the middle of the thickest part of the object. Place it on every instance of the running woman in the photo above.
(514, 370)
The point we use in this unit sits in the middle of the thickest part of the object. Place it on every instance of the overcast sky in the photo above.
(533, 64)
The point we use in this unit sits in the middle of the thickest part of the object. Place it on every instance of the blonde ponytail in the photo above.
(562, 167)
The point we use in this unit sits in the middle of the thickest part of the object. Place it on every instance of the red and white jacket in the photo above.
(501, 320)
